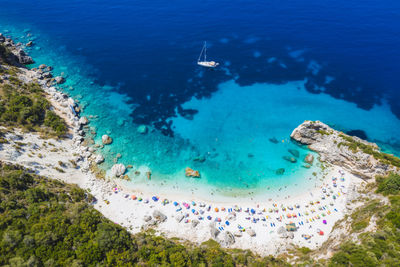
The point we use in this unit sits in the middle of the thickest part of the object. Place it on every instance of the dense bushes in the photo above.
(25, 105)
(47, 223)
(55, 122)
(389, 185)
(354, 146)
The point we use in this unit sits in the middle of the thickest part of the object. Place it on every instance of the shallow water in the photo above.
(133, 62)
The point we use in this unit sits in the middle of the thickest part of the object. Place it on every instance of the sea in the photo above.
(132, 65)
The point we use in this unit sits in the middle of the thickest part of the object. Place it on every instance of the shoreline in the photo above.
(246, 229)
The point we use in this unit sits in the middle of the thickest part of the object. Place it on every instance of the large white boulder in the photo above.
(99, 159)
(83, 121)
(251, 232)
(118, 170)
(106, 139)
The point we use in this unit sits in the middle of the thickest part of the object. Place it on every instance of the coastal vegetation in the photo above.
(25, 105)
(44, 222)
(381, 246)
(355, 146)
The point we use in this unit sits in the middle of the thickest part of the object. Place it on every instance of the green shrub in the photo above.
(45, 222)
(24, 105)
(55, 122)
(389, 185)
(355, 146)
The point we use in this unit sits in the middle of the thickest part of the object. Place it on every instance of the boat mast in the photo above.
(201, 53)
(205, 51)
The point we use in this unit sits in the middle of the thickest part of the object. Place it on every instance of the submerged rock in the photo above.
(59, 79)
(106, 139)
(200, 159)
(142, 129)
(291, 159)
(192, 173)
(273, 140)
(309, 159)
(118, 170)
(280, 171)
(294, 152)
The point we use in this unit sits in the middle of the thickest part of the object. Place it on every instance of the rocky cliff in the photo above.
(358, 156)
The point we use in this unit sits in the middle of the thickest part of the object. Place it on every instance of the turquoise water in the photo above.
(218, 122)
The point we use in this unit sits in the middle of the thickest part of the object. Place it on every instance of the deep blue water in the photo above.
(147, 51)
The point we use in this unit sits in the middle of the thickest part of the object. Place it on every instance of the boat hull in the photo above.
(208, 64)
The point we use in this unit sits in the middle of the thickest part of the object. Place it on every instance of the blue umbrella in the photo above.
(253, 211)
(154, 198)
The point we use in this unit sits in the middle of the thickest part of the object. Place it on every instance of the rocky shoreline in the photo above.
(64, 106)
(360, 157)
(137, 210)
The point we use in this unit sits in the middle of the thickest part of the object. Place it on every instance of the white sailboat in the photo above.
(203, 61)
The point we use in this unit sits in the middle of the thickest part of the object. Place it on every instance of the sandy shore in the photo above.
(259, 226)
(315, 211)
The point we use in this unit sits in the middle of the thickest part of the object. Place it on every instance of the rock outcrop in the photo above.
(99, 159)
(159, 216)
(17, 56)
(358, 156)
(214, 232)
(309, 159)
(142, 129)
(59, 79)
(192, 173)
(83, 120)
(228, 239)
(105, 139)
(251, 232)
(118, 169)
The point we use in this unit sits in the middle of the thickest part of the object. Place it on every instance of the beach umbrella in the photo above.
(216, 209)
(133, 197)
(324, 221)
(321, 233)
(218, 219)
(252, 211)
(140, 199)
(175, 203)
(209, 217)
(193, 210)
(154, 198)
(227, 222)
